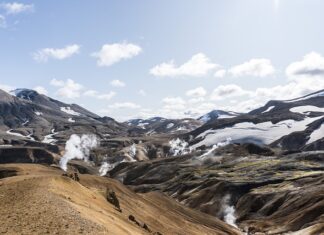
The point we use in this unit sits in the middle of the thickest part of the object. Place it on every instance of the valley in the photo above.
(63, 168)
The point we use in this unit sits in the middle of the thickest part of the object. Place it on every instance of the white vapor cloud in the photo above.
(6, 88)
(142, 92)
(197, 92)
(199, 65)
(228, 91)
(78, 147)
(220, 73)
(3, 22)
(97, 95)
(68, 89)
(124, 105)
(113, 53)
(312, 65)
(117, 83)
(45, 54)
(16, 8)
(253, 67)
(41, 90)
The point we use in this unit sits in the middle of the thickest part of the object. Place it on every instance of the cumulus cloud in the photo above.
(16, 8)
(117, 83)
(220, 73)
(228, 91)
(197, 92)
(253, 67)
(113, 53)
(41, 90)
(3, 22)
(199, 65)
(142, 92)
(311, 65)
(6, 88)
(106, 96)
(293, 89)
(45, 54)
(124, 105)
(68, 89)
(100, 96)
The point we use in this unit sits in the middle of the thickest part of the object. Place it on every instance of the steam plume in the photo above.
(78, 148)
(179, 147)
(229, 211)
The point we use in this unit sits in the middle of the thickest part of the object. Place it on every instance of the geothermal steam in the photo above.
(78, 147)
(105, 167)
(216, 146)
(229, 211)
(179, 147)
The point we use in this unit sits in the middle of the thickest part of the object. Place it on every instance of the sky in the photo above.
(170, 58)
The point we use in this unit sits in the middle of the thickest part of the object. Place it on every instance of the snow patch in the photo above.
(216, 146)
(316, 134)
(269, 109)
(170, 125)
(71, 120)
(48, 139)
(20, 135)
(70, 111)
(306, 109)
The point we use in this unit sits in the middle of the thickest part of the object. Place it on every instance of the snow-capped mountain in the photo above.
(217, 114)
(159, 125)
(27, 115)
(290, 124)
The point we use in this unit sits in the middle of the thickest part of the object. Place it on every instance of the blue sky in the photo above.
(180, 58)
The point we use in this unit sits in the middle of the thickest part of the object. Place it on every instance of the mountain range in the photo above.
(260, 172)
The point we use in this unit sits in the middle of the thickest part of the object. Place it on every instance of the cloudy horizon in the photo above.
(168, 59)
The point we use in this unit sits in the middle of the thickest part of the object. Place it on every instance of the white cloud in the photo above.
(97, 95)
(3, 22)
(107, 96)
(142, 92)
(196, 100)
(91, 93)
(45, 54)
(57, 83)
(16, 8)
(254, 67)
(173, 103)
(276, 4)
(117, 83)
(294, 89)
(312, 65)
(68, 89)
(199, 65)
(6, 88)
(113, 53)
(173, 100)
(197, 92)
(41, 90)
(220, 73)
(228, 91)
(125, 105)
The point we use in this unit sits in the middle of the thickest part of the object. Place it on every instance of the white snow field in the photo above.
(265, 132)
(316, 135)
(306, 109)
